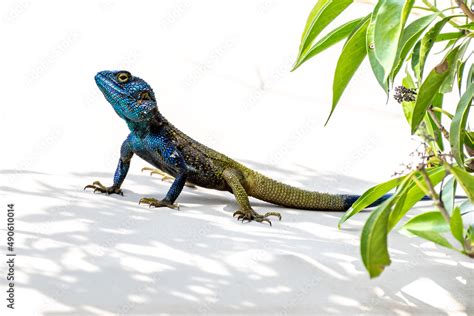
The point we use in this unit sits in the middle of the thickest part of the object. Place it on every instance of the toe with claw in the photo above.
(165, 176)
(250, 215)
(99, 187)
(154, 171)
(157, 203)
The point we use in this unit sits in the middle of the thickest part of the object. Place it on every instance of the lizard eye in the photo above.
(123, 77)
(145, 96)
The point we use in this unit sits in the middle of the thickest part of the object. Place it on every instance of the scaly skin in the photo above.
(158, 142)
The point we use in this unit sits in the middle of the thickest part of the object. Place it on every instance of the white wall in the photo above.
(221, 73)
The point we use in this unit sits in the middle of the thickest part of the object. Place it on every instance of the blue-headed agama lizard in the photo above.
(158, 142)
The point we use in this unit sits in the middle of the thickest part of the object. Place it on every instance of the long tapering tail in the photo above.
(272, 191)
(275, 192)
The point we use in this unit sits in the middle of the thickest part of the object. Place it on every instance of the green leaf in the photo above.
(369, 197)
(460, 75)
(377, 68)
(401, 198)
(399, 204)
(415, 59)
(434, 237)
(456, 225)
(384, 32)
(466, 207)
(327, 41)
(470, 237)
(427, 129)
(431, 127)
(448, 194)
(408, 81)
(415, 193)
(449, 36)
(469, 139)
(429, 221)
(429, 226)
(408, 106)
(425, 46)
(409, 37)
(458, 124)
(352, 55)
(438, 135)
(470, 232)
(322, 14)
(430, 87)
(469, 26)
(373, 242)
(447, 85)
(465, 179)
(470, 76)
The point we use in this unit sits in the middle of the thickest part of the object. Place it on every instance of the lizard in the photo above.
(154, 139)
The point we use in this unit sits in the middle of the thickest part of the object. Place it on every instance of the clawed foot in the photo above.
(159, 172)
(99, 187)
(251, 215)
(157, 203)
(164, 176)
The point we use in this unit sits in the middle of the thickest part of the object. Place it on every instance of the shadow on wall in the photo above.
(93, 254)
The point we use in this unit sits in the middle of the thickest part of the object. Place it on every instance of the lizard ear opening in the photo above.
(142, 110)
(145, 96)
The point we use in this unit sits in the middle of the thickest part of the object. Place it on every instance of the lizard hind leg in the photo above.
(245, 212)
(153, 171)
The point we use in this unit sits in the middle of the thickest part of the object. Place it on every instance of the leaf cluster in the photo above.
(390, 42)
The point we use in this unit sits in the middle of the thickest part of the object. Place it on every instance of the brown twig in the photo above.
(438, 124)
(465, 9)
(433, 195)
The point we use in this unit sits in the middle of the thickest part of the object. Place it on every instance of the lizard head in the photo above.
(131, 97)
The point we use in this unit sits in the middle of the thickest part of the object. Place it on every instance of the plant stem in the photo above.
(421, 186)
(436, 109)
(438, 124)
(434, 196)
(421, 8)
(435, 9)
(465, 9)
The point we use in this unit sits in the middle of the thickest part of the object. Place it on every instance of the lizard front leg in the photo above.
(174, 159)
(245, 212)
(126, 155)
(171, 196)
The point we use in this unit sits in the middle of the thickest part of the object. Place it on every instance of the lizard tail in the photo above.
(275, 192)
